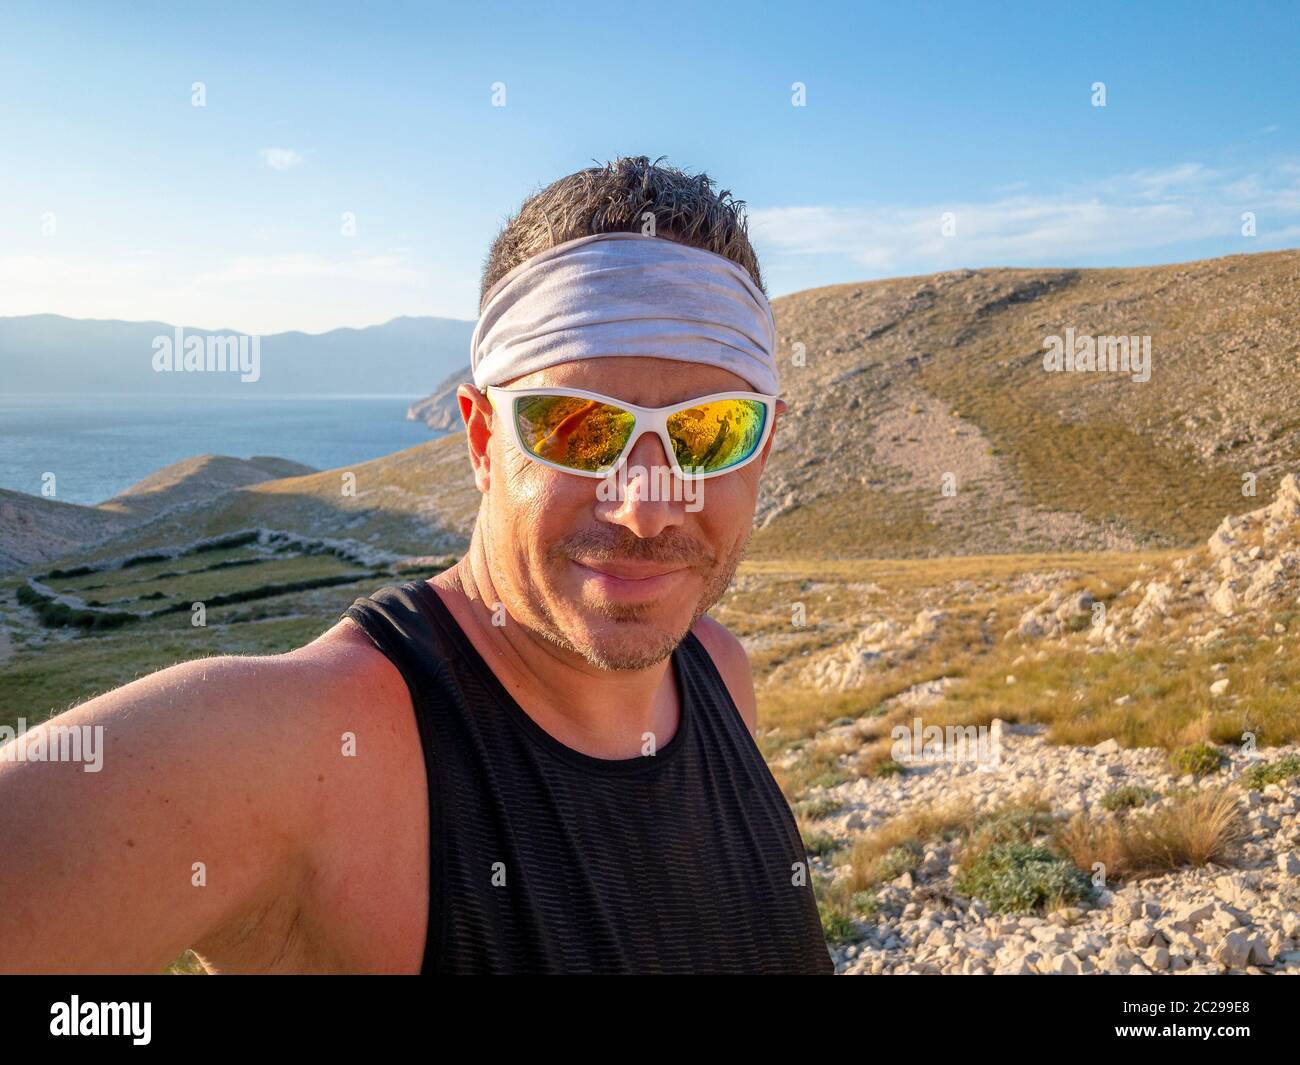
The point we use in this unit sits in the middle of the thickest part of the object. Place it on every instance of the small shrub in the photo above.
(29, 596)
(877, 854)
(76, 571)
(221, 543)
(1279, 771)
(111, 620)
(816, 809)
(143, 560)
(866, 903)
(1010, 824)
(1021, 878)
(898, 860)
(1126, 797)
(887, 768)
(821, 843)
(837, 926)
(1198, 759)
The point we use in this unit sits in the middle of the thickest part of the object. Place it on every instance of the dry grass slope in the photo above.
(951, 366)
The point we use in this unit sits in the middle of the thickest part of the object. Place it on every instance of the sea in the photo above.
(98, 446)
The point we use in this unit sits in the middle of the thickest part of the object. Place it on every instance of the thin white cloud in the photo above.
(74, 272)
(280, 158)
(1113, 216)
(242, 269)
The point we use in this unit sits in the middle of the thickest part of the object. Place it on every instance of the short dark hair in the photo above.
(615, 198)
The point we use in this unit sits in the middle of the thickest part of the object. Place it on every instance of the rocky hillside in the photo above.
(198, 480)
(35, 530)
(1248, 569)
(1109, 779)
(440, 410)
(1237, 913)
(416, 502)
(923, 422)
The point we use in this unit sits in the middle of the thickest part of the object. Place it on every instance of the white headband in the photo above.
(625, 294)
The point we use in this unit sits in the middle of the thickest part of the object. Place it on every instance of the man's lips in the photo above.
(630, 582)
(631, 571)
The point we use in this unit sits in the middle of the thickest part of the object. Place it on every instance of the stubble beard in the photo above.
(637, 643)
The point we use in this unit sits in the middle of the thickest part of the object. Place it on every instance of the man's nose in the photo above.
(642, 497)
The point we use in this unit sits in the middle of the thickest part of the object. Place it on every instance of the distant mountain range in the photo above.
(47, 353)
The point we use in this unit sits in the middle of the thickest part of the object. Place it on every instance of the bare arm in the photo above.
(200, 819)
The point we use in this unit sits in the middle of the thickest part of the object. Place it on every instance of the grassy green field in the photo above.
(255, 603)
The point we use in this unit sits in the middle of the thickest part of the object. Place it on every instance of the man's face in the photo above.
(619, 574)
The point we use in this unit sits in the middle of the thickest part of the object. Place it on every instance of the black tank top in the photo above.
(547, 860)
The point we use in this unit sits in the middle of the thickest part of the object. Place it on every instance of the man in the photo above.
(540, 761)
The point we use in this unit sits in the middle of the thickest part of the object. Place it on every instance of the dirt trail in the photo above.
(928, 448)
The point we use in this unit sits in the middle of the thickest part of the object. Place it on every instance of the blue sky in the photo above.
(119, 199)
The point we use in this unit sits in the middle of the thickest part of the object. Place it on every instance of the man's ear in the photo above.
(476, 413)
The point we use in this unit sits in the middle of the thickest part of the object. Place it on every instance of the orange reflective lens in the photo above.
(572, 431)
(584, 434)
(716, 435)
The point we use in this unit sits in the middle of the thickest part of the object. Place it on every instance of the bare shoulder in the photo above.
(728, 654)
(344, 659)
(309, 689)
(355, 703)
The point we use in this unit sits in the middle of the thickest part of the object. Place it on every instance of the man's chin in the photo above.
(622, 637)
(618, 625)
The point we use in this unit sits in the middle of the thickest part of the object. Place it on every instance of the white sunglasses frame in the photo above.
(647, 419)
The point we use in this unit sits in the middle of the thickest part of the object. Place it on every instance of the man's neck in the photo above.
(601, 713)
